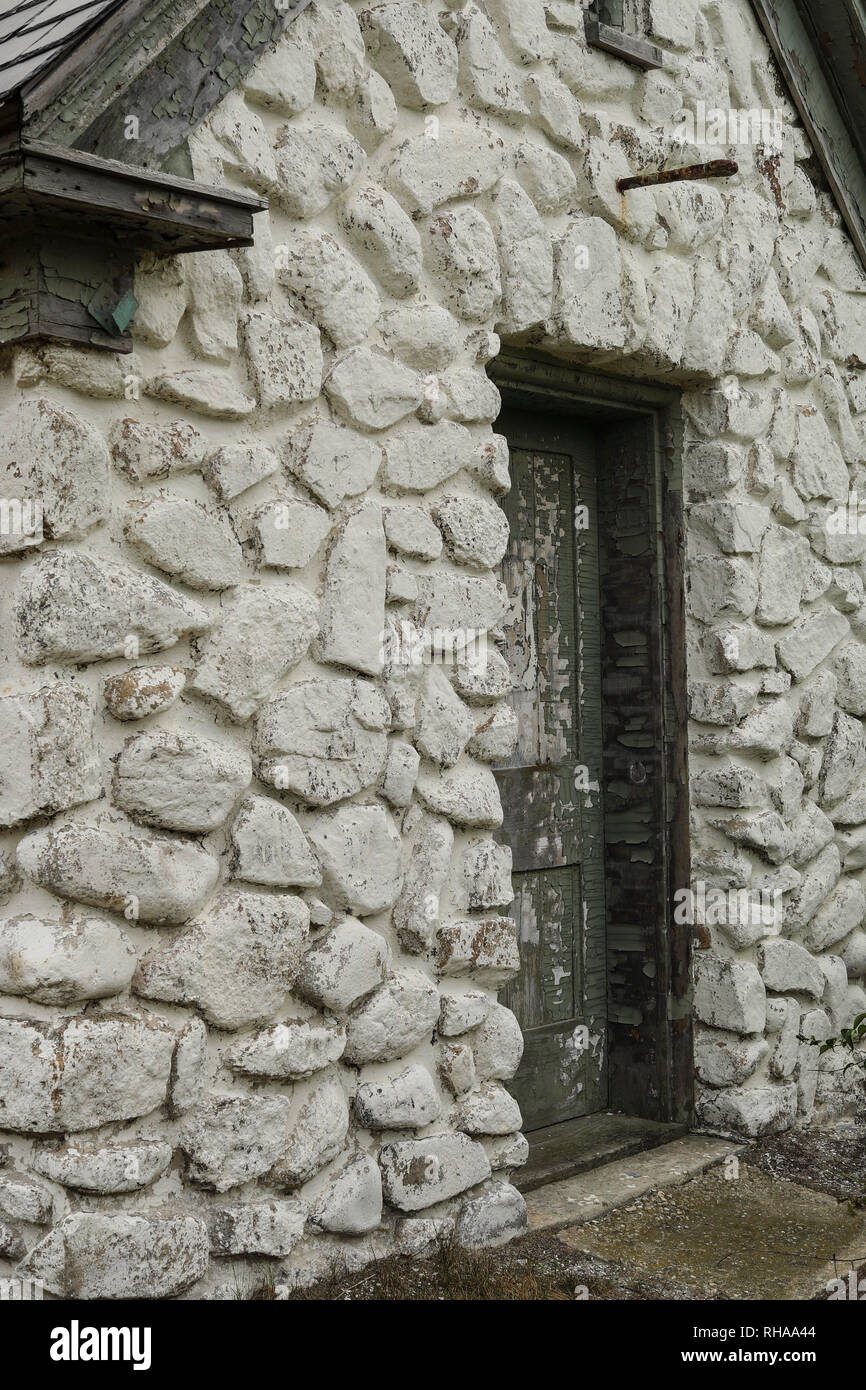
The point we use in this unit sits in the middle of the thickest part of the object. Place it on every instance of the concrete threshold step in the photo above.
(577, 1146)
(588, 1195)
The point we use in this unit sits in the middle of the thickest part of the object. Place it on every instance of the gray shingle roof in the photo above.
(36, 33)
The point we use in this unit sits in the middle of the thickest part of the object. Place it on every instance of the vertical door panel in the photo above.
(550, 786)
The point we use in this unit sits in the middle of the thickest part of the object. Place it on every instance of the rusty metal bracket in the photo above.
(714, 169)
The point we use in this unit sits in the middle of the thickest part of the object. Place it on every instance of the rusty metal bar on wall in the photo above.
(714, 169)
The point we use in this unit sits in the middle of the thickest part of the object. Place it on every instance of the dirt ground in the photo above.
(665, 1245)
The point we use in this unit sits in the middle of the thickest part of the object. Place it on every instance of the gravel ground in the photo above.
(561, 1267)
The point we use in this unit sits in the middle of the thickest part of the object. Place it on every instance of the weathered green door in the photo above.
(550, 786)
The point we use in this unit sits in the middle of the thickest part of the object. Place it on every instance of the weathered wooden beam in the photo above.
(72, 227)
(622, 45)
(149, 210)
(818, 105)
(178, 87)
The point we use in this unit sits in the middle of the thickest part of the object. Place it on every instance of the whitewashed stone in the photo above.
(81, 1072)
(843, 758)
(229, 1140)
(373, 114)
(331, 286)
(160, 299)
(475, 530)
(547, 176)
(246, 151)
(269, 847)
(723, 1059)
(820, 877)
(460, 251)
(786, 966)
(189, 1068)
(288, 534)
(112, 1167)
(352, 1203)
(483, 948)
(495, 737)
(48, 756)
(853, 954)
(749, 1110)
(342, 966)
(489, 1110)
(412, 531)
(460, 1012)
(587, 301)
(459, 162)
(53, 458)
(811, 639)
(465, 794)
(452, 602)
(22, 1199)
(371, 390)
(143, 691)
(417, 1173)
(323, 740)
(143, 451)
(420, 458)
(411, 51)
(258, 638)
(428, 843)
(497, 1045)
(270, 1228)
(338, 48)
(285, 357)
(494, 1218)
(236, 962)
(359, 851)
(150, 880)
(100, 1255)
(487, 79)
(204, 390)
(781, 575)
(385, 239)
(490, 464)
(482, 676)
(506, 1150)
(444, 724)
(75, 607)
(236, 467)
(556, 110)
(730, 995)
(333, 462)
(397, 1016)
(289, 1051)
(526, 258)
(284, 79)
(317, 1134)
(215, 290)
(405, 1101)
(457, 1068)
(63, 962)
(401, 771)
(472, 398)
(842, 912)
(353, 606)
(485, 877)
(179, 782)
(817, 466)
(314, 162)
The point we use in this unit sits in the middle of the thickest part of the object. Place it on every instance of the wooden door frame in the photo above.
(650, 1064)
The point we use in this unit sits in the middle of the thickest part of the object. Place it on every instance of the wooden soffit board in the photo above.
(820, 46)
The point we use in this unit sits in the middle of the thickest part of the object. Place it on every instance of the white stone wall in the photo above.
(253, 924)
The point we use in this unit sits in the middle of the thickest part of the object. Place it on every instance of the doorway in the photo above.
(595, 794)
